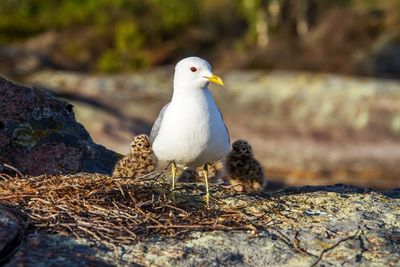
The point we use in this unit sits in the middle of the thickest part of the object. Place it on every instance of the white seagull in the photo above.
(190, 130)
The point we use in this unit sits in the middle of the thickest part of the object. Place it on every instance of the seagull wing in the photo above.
(157, 124)
(222, 117)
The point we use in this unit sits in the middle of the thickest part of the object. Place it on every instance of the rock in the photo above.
(11, 232)
(39, 134)
(53, 250)
(302, 226)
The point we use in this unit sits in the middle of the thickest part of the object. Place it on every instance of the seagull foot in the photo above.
(207, 199)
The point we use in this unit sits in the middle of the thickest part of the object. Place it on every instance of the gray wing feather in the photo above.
(157, 124)
(222, 117)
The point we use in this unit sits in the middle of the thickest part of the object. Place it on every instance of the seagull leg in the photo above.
(205, 172)
(173, 171)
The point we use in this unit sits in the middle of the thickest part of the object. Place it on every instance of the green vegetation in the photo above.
(124, 26)
(127, 34)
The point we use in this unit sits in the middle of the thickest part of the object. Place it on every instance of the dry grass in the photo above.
(117, 211)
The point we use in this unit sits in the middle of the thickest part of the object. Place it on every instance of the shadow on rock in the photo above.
(278, 189)
(11, 231)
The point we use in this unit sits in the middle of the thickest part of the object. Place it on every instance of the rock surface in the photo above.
(39, 134)
(307, 226)
(11, 232)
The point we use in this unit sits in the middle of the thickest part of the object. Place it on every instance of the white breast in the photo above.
(192, 131)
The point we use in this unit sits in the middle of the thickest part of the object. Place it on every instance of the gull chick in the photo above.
(242, 170)
(190, 130)
(140, 161)
(215, 173)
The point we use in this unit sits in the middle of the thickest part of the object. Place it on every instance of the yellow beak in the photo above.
(215, 79)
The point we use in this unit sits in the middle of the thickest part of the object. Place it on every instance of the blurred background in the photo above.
(314, 85)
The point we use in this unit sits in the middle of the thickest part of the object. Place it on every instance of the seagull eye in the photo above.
(193, 69)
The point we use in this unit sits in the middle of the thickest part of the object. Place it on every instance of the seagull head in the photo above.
(194, 72)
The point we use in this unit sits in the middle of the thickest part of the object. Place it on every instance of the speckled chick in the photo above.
(215, 173)
(140, 161)
(242, 171)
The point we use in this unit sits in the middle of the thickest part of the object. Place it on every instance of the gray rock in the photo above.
(39, 134)
(52, 250)
(11, 232)
(306, 226)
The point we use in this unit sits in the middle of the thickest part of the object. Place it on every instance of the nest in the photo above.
(117, 211)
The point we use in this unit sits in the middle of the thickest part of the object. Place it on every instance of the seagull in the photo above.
(190, 131)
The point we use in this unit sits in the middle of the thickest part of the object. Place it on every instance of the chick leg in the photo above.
(205, 172)
(173, 171)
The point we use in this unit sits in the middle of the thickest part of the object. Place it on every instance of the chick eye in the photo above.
(193, 69)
